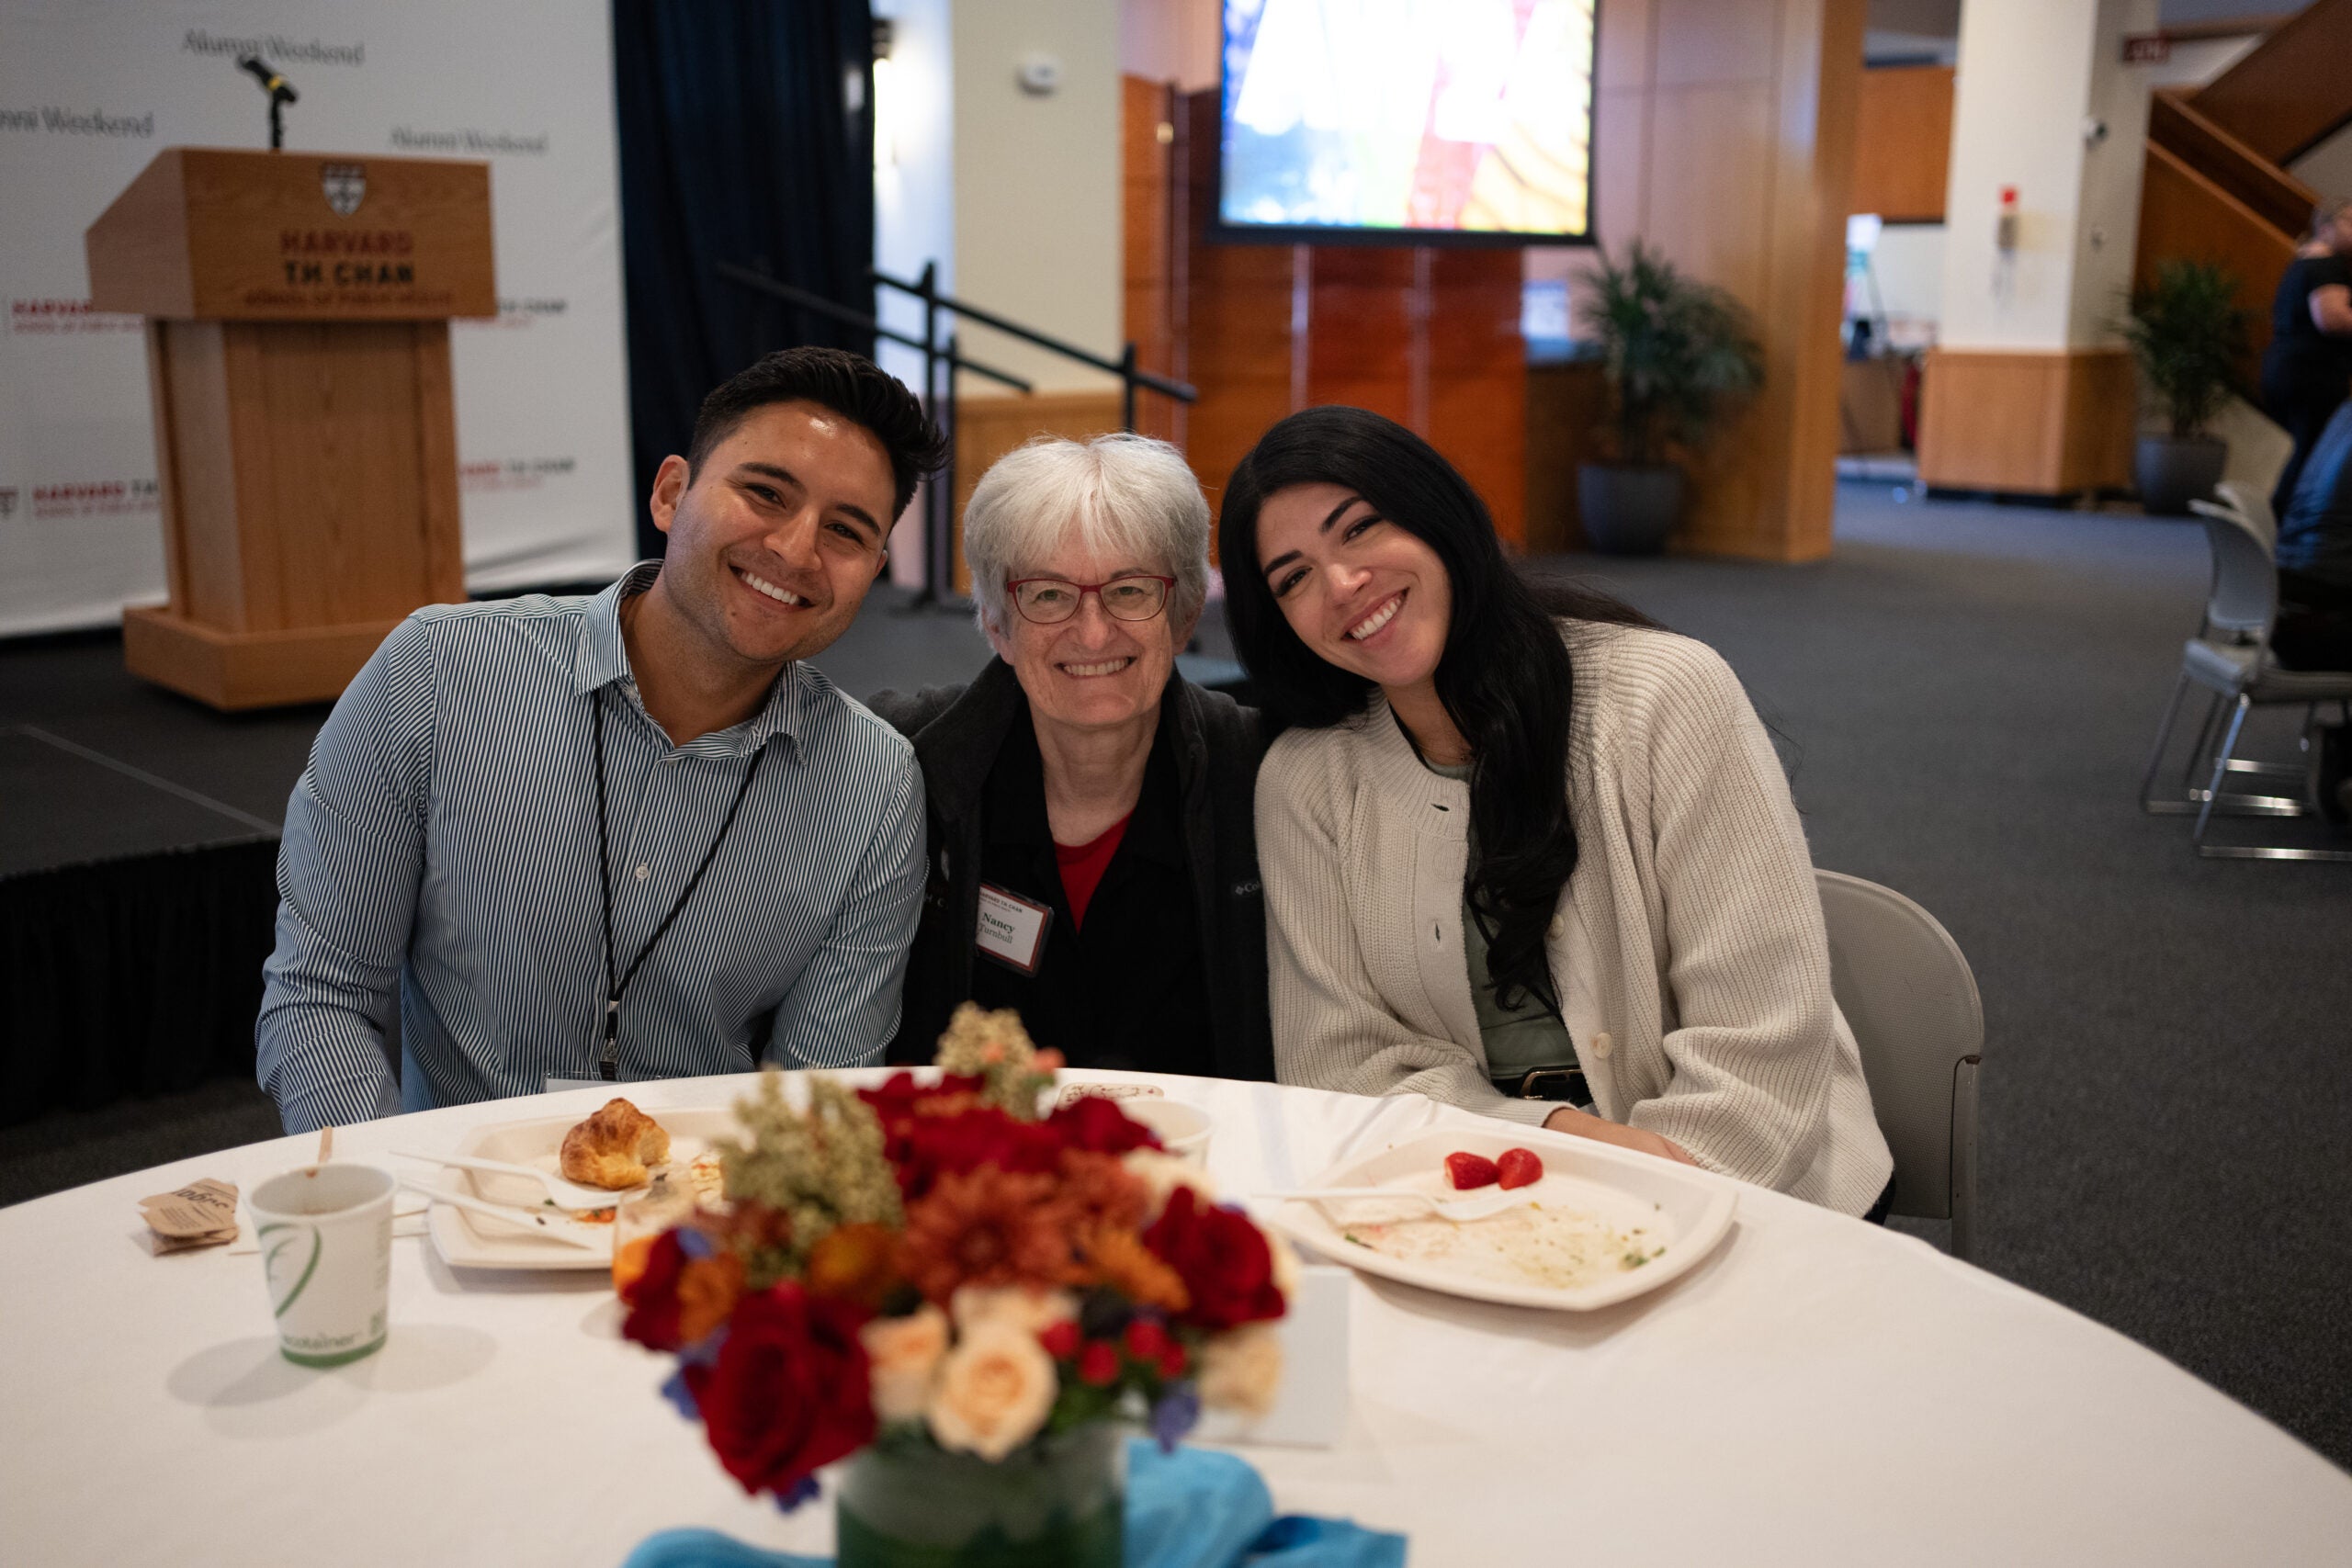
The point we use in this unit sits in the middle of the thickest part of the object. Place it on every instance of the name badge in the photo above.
(1011, 928)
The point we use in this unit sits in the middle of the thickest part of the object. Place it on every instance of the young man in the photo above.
(629, 836)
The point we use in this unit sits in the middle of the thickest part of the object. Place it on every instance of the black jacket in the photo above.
(957, 732)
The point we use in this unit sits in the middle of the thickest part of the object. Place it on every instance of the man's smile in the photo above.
(759, 584)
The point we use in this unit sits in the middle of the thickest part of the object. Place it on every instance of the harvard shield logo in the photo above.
(345, 185)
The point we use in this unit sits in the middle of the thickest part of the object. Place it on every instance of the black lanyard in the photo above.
(608, 1064)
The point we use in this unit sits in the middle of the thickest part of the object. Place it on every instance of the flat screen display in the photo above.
(1407, 121)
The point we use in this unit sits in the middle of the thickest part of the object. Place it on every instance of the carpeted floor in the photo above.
(1965, 694)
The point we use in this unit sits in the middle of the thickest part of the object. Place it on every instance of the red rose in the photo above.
(899, 1095)
(899, 1103)
(789, 1390)
(1221, 1257)
(1096, 1125)
(1145, 1340)
(1060, 1339)
(652, 1299)
(942, 1146)
(1098, 1364)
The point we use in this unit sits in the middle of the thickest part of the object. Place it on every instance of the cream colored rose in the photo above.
(1242, 1368)
(1027, 1309)
(994, 1391)
(904, 1354)
(1285, 1260)
(1162, 1173)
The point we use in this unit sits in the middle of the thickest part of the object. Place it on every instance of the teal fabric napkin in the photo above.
(1194, 1509)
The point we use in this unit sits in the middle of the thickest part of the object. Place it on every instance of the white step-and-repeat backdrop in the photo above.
(90, 91)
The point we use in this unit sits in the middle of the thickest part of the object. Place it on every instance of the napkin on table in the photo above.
(1194, 1509)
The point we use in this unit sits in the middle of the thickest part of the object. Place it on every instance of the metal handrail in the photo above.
(939, 393)
(1124, 366)
(761, 283)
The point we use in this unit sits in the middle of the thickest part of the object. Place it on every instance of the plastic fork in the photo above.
(563, 1194)
(1460, 1211)
(554, 1228)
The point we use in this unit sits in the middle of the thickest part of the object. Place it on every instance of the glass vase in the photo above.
(1060, 1503)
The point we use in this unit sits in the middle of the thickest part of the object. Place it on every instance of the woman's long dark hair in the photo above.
(1505, 676)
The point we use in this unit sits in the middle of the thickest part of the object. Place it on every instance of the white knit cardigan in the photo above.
(1688, 946)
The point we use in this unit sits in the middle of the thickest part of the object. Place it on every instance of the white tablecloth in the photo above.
(1818, 1391)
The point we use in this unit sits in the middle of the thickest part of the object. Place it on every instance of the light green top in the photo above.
(1528, 1036)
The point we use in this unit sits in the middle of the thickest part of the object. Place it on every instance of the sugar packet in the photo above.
(202, 1213)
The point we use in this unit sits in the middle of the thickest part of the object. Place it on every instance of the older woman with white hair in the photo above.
(1092, 853)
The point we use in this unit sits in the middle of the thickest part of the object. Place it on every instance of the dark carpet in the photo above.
(1965, 695)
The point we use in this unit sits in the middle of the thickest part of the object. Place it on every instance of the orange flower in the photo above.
(987, 1226)
(855, 1262)
(708, 1288)
(1105, 1191)
(1119, 1258)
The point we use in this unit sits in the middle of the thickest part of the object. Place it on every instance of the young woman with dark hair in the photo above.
(1523, 850)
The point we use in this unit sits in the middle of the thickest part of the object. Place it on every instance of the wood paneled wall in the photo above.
(2290, 91)
(1903, 143)
(1725, 138)
(1153, 265)
(2186, 216)
(1428, 337)
(2049, 423)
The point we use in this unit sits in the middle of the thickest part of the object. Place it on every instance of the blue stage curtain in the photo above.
(746, 136)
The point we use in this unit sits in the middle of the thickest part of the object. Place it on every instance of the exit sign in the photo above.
(2146, 49)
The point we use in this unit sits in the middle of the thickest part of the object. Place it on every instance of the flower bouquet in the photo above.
(966, 1299)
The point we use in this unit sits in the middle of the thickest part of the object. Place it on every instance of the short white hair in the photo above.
(1126, 498)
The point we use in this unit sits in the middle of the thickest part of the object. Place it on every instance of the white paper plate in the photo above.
(1681, 1210)
(474, 1241)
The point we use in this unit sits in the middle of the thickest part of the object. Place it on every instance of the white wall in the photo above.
(915, 168)
(914, 200)
(2028, 75)
(2327, 168)
(541, 390)
(1037, 188)
(2106, 224)
(1909, 270)
(2198, 60)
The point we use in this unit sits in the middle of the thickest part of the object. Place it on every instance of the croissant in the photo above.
(611, 1148)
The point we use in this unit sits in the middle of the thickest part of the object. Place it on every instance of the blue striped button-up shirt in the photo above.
(440, 856)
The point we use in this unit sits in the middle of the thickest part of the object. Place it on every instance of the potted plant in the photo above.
(2188, 332)
(1675, 354)
(966, 1297)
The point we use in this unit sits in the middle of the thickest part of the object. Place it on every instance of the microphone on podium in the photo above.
(281, 93)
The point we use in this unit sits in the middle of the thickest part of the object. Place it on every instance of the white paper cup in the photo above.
(326, 1251)
(1183, 1129)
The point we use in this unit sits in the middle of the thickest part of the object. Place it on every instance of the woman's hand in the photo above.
(1585, 1125)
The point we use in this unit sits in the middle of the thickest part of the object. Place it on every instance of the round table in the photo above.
(1818, 1391)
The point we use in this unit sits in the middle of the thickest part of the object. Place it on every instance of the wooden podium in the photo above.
(298, 354)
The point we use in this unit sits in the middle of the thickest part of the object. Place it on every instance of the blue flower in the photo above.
(1178, 1410)
(676, 1391)
(803, 1491)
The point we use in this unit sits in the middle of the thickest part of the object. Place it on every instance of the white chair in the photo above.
(2230, 657)
(1908, 993)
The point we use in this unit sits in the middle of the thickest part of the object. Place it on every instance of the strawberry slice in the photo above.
(1468, 1170)
(1518, 1167)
